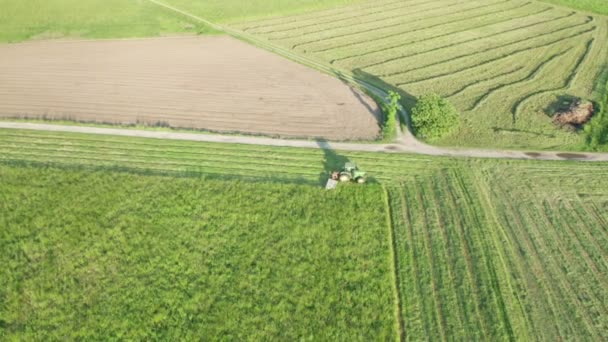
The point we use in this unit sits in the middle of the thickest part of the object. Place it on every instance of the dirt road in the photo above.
(400, 146)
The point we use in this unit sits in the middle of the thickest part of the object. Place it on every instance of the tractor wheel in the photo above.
(361, 180)
(344, 177)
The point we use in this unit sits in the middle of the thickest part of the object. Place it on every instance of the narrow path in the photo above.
(400, 146)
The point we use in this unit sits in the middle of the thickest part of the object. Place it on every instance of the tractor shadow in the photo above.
(332, 161)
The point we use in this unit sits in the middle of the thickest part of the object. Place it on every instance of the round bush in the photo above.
(434, 117)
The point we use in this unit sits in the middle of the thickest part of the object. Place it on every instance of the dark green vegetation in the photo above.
(500, 62)
(433, 117)
(597, 6)
(390, 108)
(597, 129)
(485, 249)
(103, 255)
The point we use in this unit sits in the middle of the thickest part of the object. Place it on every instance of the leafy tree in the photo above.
(391, 108)
(434, 117)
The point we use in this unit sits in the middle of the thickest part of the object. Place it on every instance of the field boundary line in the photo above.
(398, 147)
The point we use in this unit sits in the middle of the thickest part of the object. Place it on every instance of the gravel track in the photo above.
(401, 146)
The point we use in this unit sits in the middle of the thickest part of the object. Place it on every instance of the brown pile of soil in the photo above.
(578, 113)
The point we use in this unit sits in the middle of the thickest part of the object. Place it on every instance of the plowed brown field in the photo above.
(211, 83)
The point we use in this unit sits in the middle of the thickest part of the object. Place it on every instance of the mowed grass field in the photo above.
(207, 235)
(502, 63)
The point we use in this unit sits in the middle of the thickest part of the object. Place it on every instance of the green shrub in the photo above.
(434, 117)
(597, 130)
(390, 109)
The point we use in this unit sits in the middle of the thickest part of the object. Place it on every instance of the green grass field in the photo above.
(502, 63)
(597, 6)
(104, 255)
(43, 19)
(484, 249)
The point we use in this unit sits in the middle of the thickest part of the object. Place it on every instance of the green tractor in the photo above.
(350, 172)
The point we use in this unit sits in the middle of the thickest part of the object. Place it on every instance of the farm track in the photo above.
(401, 146)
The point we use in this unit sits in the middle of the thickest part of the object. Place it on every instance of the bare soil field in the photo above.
(211, 83)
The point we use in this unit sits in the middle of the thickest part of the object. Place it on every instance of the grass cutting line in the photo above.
(438, 304)
(203, 147)
(494, 291)
(514, 29)
(406, 213)
(548, 266)
(495, 59)
(555, 218)
(590, 210)
(483, 51)
(128, 160)
(394, 25)
(487, 79)
(395, 266)
(502, 245)
(317, 14)
(443, 219)
(530, 76)
(580, 235)
(143, 168)
(531, 262)
(586, 254)
(400, 33)
(515, 110)
(251, 160)
(427, 290)
(466, 242)
(380, 163)
(341, 19)
(380, 166)
(408, 13)
(573, 294)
